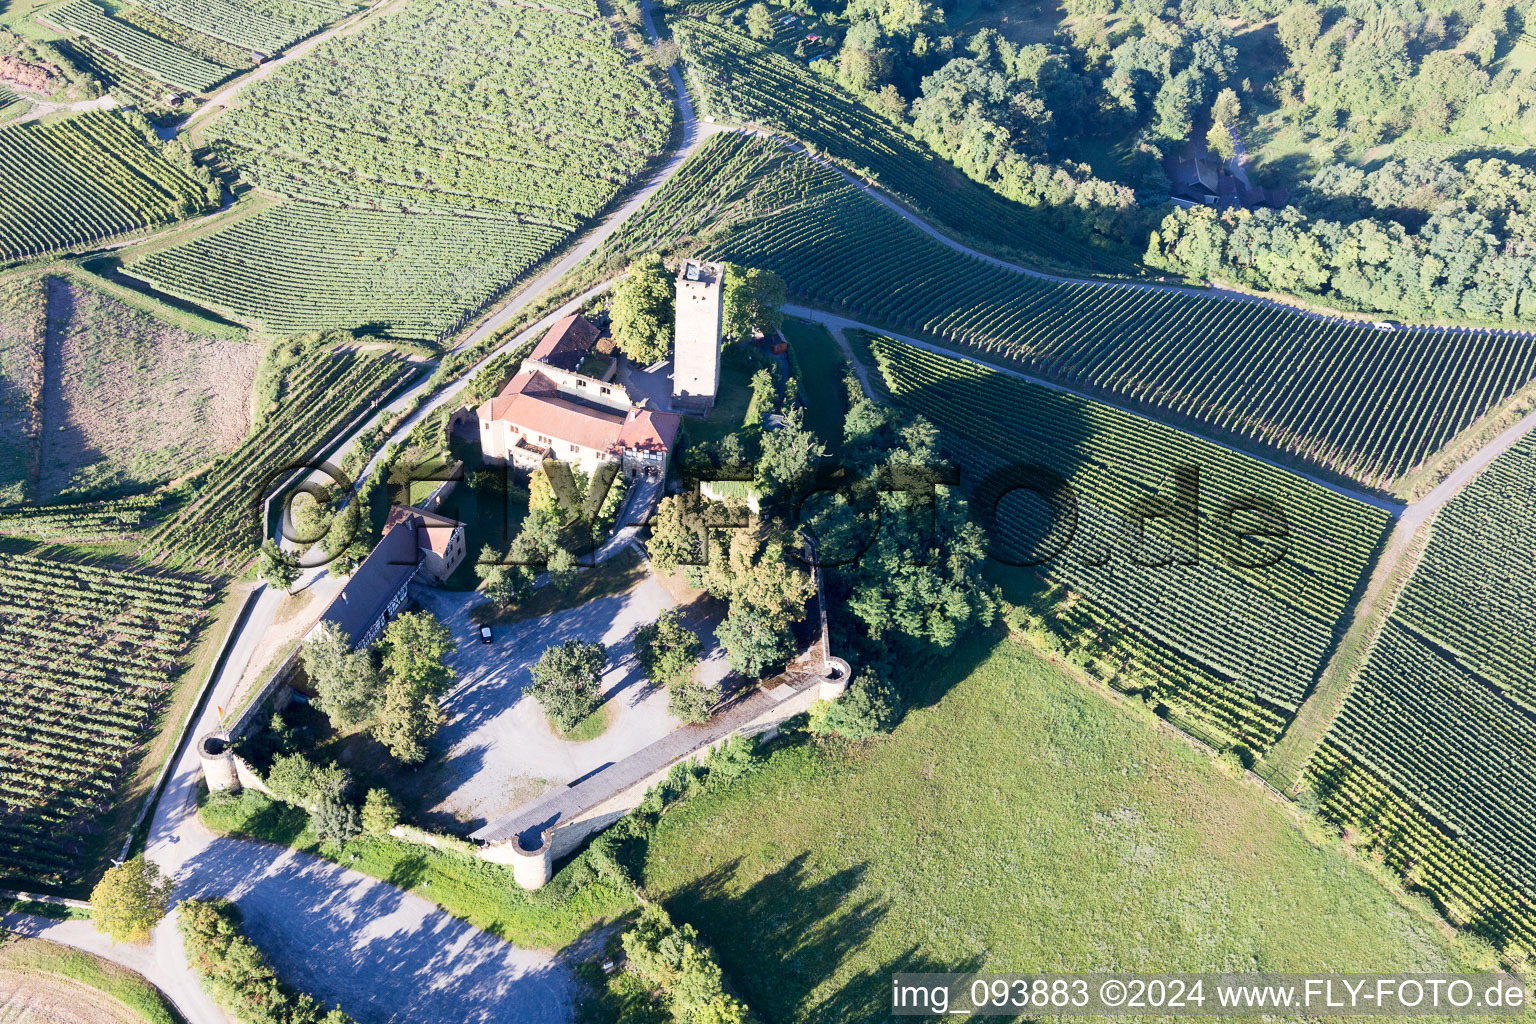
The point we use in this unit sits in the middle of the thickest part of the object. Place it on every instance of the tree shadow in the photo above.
(801, 924)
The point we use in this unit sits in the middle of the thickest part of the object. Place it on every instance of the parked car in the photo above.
(485, 634)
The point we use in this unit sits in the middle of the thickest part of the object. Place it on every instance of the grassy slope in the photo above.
(1019, 823)
(819, 364)
(46, 963)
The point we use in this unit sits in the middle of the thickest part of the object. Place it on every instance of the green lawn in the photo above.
(730, 410)
(1020, 822)
(481, 893)
(819, 364)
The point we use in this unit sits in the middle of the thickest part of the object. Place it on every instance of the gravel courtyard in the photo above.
(497, 751)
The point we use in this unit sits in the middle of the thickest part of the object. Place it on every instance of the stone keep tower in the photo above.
(696, 336)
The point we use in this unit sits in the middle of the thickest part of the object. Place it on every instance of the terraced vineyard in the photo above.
(88, 656)
(1233, 647)
(171, 63)
(299, 266)
(262, 26)
(468, 131)
(1434, 753)
(221, 526)
(23, 329)
(423, 197)
(1364, 403)
(747, 82)
(83, 180)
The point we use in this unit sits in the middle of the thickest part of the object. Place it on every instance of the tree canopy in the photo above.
(130, 900)
(567, 681)
(640, 310)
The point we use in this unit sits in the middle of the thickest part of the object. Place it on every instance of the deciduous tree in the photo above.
(567, 681)
(278, 567)
(130, 900)
(347, 686)
(641, 310)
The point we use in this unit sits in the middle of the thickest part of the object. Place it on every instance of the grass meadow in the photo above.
(1019, 821)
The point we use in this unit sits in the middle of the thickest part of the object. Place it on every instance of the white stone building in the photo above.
(696, 336)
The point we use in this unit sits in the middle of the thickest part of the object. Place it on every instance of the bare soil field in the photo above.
(45, 983)
(46, 999)
(131, 401)
(22, 303)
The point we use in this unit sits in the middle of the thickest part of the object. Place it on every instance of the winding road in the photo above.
(351, 940)
(381, 954)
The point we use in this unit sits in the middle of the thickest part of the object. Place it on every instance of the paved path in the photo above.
(163, 963)
(348, 939)
(498, 750)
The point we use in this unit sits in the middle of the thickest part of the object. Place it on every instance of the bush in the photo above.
(733, 759)
(865, 710)
(297, 780)
(237, 974)
(381, 812)
(668, 652)
(335, 819)
(673, 960)
(691, 701)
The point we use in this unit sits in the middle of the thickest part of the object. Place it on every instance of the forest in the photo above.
(1383, 137)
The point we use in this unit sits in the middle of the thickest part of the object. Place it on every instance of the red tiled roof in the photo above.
(532, 402)
(566, 342)
(649, 430)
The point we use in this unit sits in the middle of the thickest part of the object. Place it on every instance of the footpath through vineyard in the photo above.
(343, 936)
(1289, 757)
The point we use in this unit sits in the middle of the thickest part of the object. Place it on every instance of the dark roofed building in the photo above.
(566, 343)
(377, 590)
(439, 540)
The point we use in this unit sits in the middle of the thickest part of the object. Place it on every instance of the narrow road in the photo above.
(1216, 292)
(1288, 758)
(219, 99)
(42, 108)
(348, 939)
(163, 964)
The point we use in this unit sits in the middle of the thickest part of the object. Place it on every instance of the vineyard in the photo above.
(95, 520)
(1434, 753)
(179, 397)
(1236, 648)
(23, 324)
(298, 266)
(747, 82)
(170, 61)
(83, 180)
(261, 26)
(1474, 594)
(512, 112)
(1367, 404)
(89, 657)
(220, 526)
